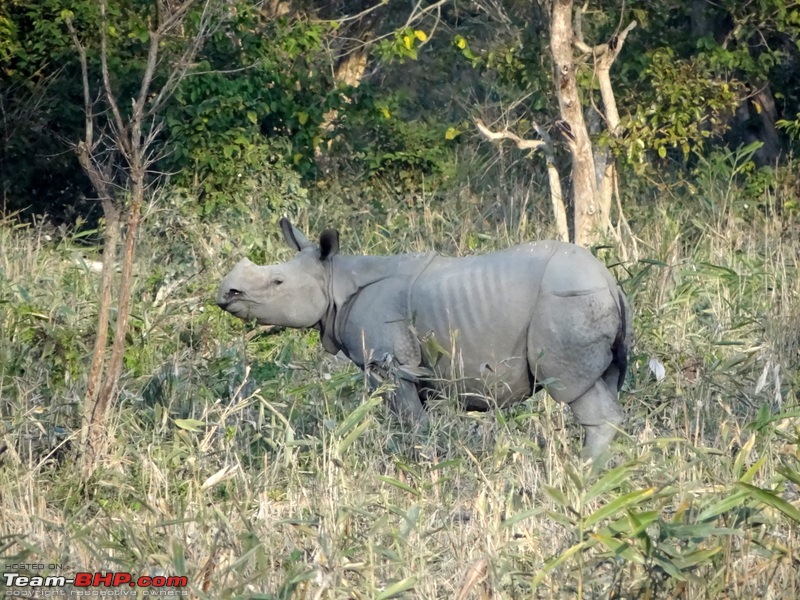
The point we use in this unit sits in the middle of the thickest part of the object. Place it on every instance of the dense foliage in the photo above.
(264, 98)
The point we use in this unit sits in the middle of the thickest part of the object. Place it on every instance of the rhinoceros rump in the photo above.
(492, 325)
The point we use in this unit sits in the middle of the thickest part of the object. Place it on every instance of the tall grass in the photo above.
(261, 468)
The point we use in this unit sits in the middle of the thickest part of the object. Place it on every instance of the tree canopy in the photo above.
(386, 94)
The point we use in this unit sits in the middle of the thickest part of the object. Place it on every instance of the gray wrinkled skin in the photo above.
(491, 325)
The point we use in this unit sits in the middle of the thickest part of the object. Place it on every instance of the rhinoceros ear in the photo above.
(293, 236)
(328, 244)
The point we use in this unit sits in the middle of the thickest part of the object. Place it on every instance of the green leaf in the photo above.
(771, 499)
(722, 506)
(790, 474)
(398, 484)
(741, 457)
(302, 118)
(252, 117)
(189, 424)
(521, 516)
(557, 495)
(662, 151)
(618, 504)
(608, 482)
(669, 567)
(398, 588)
(619, 547)
(555, 561)
(352, 437)
(357, 415)
(692, 559)
(750, 473)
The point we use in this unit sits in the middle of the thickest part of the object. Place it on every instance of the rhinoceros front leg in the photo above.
(597, 410)
(404, 399)
(406, 403)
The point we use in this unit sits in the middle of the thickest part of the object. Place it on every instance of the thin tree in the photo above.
(594, 173)
(118, 152)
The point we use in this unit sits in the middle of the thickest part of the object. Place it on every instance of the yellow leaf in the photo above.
(421, 35)
(461, 42)
(662, 151)
(408, 41)
(757, 106)
(385, 112)
(451, 133)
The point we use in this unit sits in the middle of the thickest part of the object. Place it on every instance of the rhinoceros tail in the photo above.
(619, 349)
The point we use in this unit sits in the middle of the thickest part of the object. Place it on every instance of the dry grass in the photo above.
(261, 469)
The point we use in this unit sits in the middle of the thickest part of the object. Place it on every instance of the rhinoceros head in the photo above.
(292, 294)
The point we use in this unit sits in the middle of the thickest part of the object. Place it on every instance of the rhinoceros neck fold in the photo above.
(348, 275)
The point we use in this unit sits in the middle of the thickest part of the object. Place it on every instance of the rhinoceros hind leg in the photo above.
(612, 378)
(597, 410)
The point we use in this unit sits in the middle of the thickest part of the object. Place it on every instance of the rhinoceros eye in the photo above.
(234, 292)
(277, 281)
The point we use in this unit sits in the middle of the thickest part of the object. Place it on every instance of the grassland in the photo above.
(259, 467)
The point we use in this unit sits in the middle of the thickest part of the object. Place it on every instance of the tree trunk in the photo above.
(89, 434)
(587, 218)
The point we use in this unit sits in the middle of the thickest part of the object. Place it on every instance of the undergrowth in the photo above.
(259, 467)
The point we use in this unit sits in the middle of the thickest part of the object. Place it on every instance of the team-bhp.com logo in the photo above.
(88, 582)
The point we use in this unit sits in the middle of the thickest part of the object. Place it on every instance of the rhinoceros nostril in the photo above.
(227, 297)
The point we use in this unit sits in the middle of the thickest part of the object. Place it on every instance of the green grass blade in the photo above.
(554, 562)
(398, 588)
(771, 499)
(618, 504)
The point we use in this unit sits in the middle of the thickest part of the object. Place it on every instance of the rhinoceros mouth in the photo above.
(237, 307)
(241, 310)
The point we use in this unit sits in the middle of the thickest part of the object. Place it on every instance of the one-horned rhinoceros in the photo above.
(498, 323)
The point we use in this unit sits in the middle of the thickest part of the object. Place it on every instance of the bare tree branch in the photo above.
(604, 64)
(182, 65)
(150, 69)
(416, 14)
(112, 103)
(363, 13)
(505, 134)
(87, 96)
(546, 145)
